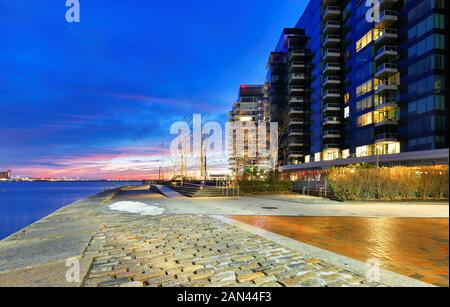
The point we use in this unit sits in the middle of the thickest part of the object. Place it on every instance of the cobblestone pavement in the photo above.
(200, 251)
(413, 247)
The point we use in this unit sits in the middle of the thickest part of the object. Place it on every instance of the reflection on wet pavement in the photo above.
(414, 247)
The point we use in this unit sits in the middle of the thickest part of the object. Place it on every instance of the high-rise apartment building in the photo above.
(251, 109)
(287, 82)
(357, 81)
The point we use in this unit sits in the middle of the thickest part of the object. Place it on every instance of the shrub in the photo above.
(273, 184)
(360, 182)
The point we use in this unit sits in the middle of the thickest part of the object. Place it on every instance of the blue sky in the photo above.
(96, 99)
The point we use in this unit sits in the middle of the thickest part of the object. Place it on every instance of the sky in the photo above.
(96, 99)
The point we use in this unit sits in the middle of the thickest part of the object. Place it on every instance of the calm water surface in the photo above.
(23, 203)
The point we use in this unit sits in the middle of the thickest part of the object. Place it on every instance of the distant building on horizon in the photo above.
(6, 175)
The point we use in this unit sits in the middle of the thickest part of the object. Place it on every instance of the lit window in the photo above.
(365, 119)
(364, 88)
(347, 112)
(346, 98)
(331, 155)
(346, 154)
(307, 159)
(364, 151)
(317, 157)
(364, 41)
(388, 148)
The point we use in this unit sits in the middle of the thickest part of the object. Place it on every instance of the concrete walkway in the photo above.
(168, 192)
(295, 205)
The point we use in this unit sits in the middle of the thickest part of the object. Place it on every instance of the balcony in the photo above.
(331, 40)
(331, 12)
(297, 65)
(387, 19)
(296, 132)
(331, 134)
(296, 143)
(331, 54)
(296, 100)
(386, 53)
(331, 120)
(385, 70)
(331, 26)
(387, 4)
(296, 55)
(331, 80)
(386, 104)
(295, 155)
(331, 94)
(295, 111)
(386, 138)
(387, 36)
(387, 122)
(328, 2)
(296, 89)
(294, 77)
(331, 67)
(297, 122)
(329, 107)
(384, 87)
(331, 146)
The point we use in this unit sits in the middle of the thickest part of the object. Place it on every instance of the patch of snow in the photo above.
(136, 207)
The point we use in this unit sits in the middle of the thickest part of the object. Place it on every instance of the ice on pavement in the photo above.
(136, 207)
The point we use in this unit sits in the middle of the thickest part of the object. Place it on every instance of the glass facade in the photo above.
(389, 77)
(373, 85)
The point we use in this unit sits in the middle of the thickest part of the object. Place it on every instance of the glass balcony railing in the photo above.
(385, 66)
(386, 136)
(386, 49)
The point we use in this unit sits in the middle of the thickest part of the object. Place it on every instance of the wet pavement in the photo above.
(414, 247)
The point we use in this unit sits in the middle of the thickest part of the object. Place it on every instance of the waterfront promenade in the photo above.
(216, 242)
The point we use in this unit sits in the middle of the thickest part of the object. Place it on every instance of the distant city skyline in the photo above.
(96, 99)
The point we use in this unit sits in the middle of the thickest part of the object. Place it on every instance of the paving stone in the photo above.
(264, 280)
(200, 251)
(249, 277)
(114, 282)
(314, 282)
(158, 280)
(133, 284)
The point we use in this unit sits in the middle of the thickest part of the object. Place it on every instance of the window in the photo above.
(346, 98)
(435, 41)
(431, 22)
(317, 157)
(365, 119)
(388, 149)
(364, 104)
(364, 151)
(331, 155)
(346, 154)
(388, 115)
(369, 37)
(347, 112)
(307, 159)
(364, 88)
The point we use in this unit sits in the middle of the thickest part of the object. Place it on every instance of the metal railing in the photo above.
(228, 188)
